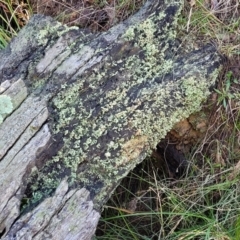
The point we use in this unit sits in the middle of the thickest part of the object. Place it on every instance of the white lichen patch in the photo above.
(6, 106)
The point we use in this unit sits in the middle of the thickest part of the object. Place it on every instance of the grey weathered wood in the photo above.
(80, 110)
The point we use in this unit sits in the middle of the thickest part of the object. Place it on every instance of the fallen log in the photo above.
(79, 110)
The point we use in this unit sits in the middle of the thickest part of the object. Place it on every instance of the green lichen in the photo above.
(111, 117)
(6, 106)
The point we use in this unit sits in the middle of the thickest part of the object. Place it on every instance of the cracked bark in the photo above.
(80, 110)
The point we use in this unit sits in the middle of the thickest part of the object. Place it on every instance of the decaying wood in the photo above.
(80, 110)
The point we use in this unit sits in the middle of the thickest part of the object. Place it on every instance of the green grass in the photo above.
(205, 203)
(224, 94)
(198, 206)
(4, 38)
(218, 22)
(14, 15)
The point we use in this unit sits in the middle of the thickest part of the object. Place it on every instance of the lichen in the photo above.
(111, 117)
(6, 106)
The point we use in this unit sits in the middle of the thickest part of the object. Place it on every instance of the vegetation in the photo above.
(151, 202)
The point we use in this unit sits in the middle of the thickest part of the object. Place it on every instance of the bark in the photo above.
(79, 110)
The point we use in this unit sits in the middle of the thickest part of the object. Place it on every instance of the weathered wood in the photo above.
(80, 110)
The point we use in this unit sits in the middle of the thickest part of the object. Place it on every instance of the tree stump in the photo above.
(79, 110)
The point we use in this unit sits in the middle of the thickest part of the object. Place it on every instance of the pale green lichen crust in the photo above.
(6, 106)
(43, 29)
(112, 116)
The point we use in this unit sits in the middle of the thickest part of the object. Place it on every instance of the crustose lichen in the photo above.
(6, 106)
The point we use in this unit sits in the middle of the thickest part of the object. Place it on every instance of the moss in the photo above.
(6, 106)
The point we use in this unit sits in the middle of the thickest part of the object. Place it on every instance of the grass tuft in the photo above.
(14, 15)
(217, 21)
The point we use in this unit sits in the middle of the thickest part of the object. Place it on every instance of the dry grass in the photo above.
(215, 20)
(95, 14)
